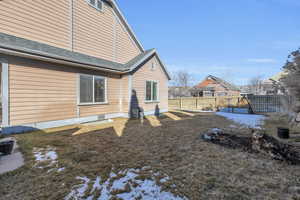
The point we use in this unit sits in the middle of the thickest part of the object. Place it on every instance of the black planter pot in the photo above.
(283, 133)
(6, 147)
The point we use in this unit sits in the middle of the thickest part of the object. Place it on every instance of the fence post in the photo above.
(180, 103)
(215, 103)
(196, 103)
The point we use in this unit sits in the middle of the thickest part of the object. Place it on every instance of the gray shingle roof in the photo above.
(37, 48)
(138, 58)
(21, 45)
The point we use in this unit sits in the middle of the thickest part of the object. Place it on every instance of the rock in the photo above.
(212, 134)
(294, 190)
(298, 118)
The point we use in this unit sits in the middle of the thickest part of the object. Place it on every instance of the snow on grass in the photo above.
(125, 185)
(79, 190)
(47, 158)
(252, 121)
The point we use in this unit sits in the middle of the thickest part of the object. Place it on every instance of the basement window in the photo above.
(151, 91)
(97, 4)
(92, 89)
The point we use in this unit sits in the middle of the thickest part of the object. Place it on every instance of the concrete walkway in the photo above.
(13, 161)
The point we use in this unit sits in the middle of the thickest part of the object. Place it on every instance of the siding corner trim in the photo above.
(5, 92)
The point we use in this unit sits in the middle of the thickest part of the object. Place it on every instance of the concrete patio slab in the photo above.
(13, 161)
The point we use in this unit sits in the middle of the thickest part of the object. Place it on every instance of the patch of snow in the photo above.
(165, 179)
(60, 169)
(199, 111)
(78, 191)
(43, 155)
(47, 158)
(207, 137)
(252, 121)
(124, 185)
(233, 126)
(215, 130)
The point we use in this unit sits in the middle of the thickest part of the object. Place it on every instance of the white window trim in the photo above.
(91, 103)
(96, 4)
(152, 101)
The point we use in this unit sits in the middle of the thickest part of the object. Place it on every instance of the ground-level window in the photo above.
(92, 89)
(151, 91)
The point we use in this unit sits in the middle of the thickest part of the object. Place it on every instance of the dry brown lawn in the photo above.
(199, 169)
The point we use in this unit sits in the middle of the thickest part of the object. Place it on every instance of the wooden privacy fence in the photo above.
(205, 103)
(259, 103)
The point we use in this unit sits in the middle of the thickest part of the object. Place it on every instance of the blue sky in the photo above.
(233, 39)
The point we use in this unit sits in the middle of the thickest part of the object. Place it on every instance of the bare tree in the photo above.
(181, 81)
(182, 78)
(256, 85)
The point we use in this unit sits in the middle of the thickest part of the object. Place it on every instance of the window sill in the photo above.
(92, 104)
(152, 102)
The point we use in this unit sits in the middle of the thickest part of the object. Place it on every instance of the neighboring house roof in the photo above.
(225, 84)
(205, 83)
(17, 46)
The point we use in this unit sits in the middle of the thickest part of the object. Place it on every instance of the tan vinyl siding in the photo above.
(41, 92)
(139, 84)
(126, 49)
(101, 34)
(89, 31)
(93, 30)
(42, 21)
(124, 93)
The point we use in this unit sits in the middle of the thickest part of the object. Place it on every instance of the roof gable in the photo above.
(138, 62)
(213, 79)
(122, 18)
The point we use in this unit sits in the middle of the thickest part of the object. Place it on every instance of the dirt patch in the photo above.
(257, 142)
(199, 170)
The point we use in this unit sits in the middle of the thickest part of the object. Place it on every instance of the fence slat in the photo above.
(259, 103)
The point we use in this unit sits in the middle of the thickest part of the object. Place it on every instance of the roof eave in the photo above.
(62, 61)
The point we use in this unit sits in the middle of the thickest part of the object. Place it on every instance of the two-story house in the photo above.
(73, 61)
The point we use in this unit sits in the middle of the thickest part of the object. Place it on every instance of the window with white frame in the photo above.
(92, 89)
(151, 91)
(98, 4)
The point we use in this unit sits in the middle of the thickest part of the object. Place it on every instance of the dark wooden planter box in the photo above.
(6, 147)
(283, 133)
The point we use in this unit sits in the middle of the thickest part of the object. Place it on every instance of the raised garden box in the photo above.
(6, 147)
